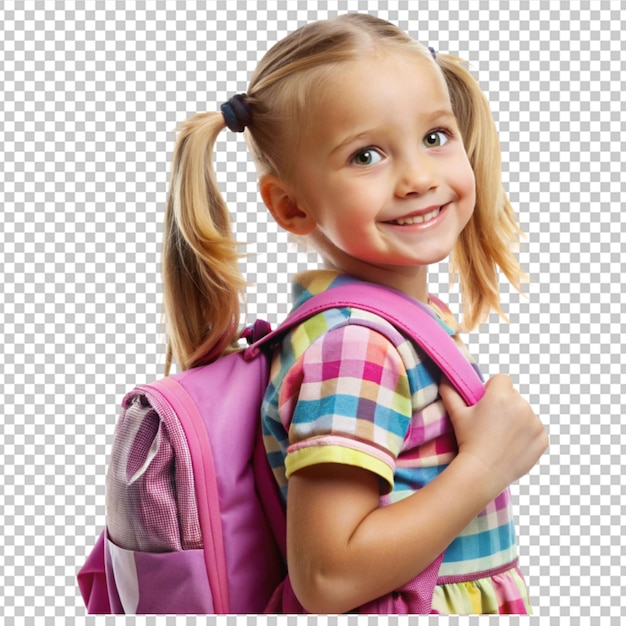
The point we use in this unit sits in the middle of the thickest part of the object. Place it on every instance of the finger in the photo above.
(452, 400)
(500, 381)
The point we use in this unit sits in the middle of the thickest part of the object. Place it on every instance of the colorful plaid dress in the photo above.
(340, 392)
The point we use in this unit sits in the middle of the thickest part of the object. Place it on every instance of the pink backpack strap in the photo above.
(406, 314)
(440, 304)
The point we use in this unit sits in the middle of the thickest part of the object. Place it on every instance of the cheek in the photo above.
(471, 191)
(467, 184)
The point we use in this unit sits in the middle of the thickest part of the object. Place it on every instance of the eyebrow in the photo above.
(441, 113)
(351, 139)
(432, 115)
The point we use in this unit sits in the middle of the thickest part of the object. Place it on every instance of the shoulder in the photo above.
(344, 333)
(356, 339)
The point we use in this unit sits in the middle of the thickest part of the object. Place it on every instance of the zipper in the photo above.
(170, 399)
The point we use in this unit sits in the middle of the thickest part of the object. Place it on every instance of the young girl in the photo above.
(382, 155)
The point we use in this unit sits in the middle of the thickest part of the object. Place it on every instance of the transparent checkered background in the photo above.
(91, 93)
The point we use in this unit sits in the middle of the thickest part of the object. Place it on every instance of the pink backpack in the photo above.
(202, 508)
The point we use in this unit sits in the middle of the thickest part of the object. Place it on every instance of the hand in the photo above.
(501, 431)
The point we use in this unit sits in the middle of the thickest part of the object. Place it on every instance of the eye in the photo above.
(367, 156)
(436, 139)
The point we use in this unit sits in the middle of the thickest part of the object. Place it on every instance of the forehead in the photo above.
(378, 88)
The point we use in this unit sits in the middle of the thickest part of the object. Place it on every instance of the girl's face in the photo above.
(383, 175)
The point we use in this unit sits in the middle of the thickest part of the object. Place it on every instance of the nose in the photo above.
(418, 174)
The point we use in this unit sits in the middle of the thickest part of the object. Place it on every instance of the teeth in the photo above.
(418, 219)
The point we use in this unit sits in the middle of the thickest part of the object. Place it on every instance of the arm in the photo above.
(343, 550)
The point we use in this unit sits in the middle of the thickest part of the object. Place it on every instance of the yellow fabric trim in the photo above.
(313, 455)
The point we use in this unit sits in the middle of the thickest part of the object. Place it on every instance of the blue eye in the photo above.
(436, 139)
(368, 156)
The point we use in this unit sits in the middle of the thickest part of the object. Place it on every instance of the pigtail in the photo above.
(203, 284)
(488, 241)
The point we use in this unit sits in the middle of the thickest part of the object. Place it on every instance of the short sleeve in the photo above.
(349, 402)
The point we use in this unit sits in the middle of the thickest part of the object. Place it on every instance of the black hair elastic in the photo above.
(237, 113)
(433, 53)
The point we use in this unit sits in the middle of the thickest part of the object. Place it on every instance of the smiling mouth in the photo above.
(416, 219)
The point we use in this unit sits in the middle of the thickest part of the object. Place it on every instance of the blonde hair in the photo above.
(487, 241)
(203, 284)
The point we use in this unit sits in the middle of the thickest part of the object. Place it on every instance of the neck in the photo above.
(410, 280)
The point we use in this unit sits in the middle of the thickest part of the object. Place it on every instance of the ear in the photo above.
(285, 210)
